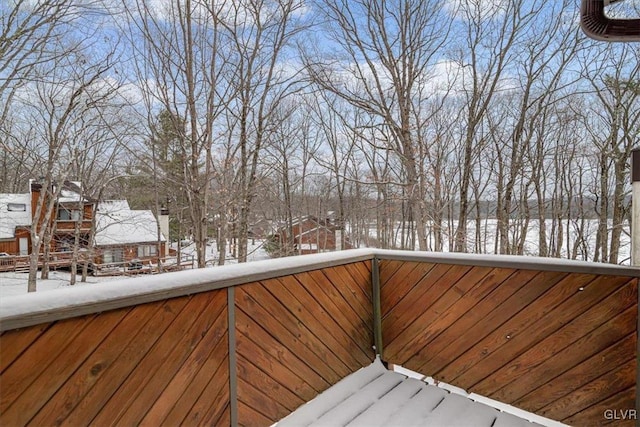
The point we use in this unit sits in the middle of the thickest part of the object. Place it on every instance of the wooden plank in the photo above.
(390, 271)
(207, 386)
(466, 303)
(339, 291)
(287, 376)
(575, 401)
(362, 274)
(249, 417)
(320, 321)
(14, 343)
(579, 375)
(144, 384)
(255, 398)
(577, 317)
(54, 376)
(341, 313)
(532, 324)
(397, 297)
(595, 415)
(470, 327)
(93, 368)
(387, 268)
(287, 330)
(591, 394)
(367, 265)
(256, 342)
(212, 407)
(353, 293)
(401, 283)
(505, 314)
(424, 303)
(220, 418)
(37, 357)
(119, 370)
(263, 381)
(176, 356)
(193, 364)
(514, 336)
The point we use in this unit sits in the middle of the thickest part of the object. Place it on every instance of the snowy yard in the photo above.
(12, 284)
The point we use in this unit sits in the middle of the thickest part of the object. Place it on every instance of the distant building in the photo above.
(17, 216)
(121, 234)
(310, 235)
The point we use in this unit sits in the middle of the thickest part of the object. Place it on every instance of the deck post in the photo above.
(377, 311)
(635, 207)
(233, 373)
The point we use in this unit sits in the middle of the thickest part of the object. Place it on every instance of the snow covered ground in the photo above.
(585, 247)
(255, 250)
(12, 284)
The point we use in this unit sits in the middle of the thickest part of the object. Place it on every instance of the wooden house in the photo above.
(121, 234)
(15, 221)
(310, 235)
(124, 234)
(17, 216)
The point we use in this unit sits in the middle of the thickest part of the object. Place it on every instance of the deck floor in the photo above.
(375, 396)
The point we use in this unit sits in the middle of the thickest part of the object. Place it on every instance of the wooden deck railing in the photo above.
(238, 348)
(556, 339)
(246, 345)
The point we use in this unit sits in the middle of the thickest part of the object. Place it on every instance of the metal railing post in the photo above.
(377, 310)
(233, 373)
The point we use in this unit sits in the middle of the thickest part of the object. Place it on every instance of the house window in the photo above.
(68, 214)
(146, 250)
(113, 255)
(17, 207)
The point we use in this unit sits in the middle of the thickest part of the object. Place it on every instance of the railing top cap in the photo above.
(40, 307)
(511, 261)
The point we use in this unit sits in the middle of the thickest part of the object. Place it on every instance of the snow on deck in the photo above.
(375, 396)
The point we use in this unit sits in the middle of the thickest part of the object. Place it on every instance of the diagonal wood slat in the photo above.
(297, 335)
(139, 358)
(561, 344)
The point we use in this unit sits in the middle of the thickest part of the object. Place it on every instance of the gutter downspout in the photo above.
(597, 25)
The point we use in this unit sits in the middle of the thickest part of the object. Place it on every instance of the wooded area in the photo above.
(489, 127)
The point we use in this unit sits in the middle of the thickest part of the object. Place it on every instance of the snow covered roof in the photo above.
(314, 230)
(375, 396)
(117, 224)
(12, 215)
(71, 193)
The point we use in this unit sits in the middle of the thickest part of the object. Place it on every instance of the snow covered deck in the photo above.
(250, 344)
(374, 396)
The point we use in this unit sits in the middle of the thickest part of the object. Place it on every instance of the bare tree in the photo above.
(614, 126)
(261, 32)
(490, 35)
(180, 59)
(55, 110)
(386, 52)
